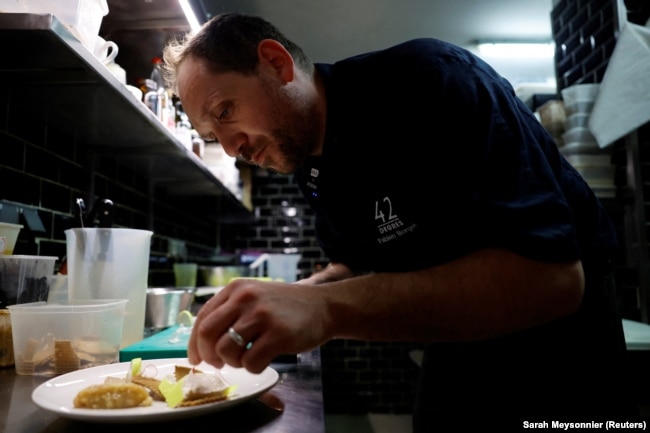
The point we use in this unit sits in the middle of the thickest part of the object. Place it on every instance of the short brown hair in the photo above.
(229, 43)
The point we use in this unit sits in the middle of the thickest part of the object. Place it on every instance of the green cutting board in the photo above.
(170, 343)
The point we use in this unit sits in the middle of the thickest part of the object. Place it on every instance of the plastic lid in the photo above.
(11, 225)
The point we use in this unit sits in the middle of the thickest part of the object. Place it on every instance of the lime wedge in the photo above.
(172, 391)
(185, 318)
(136, 365)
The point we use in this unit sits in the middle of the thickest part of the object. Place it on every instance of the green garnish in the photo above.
(136, 365)
(172, 391)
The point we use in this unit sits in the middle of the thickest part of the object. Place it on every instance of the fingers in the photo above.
(258, 356)
(259, 313)
(211, 341)
(198, 347)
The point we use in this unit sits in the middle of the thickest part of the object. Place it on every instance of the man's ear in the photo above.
(273, 54)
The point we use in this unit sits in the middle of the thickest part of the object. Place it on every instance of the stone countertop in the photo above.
(299, 391)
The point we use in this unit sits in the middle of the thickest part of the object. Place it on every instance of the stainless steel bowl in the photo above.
(219, 276)
(164, 304)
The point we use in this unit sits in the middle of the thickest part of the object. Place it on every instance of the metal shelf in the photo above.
(46, 64)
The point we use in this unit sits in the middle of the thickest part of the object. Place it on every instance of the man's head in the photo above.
(247, 86)
(229, 42)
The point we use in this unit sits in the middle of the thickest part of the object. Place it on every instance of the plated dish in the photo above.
(57, 394)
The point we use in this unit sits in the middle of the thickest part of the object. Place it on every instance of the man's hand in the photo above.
(272, 318)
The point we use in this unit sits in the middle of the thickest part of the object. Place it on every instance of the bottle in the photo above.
(152, 100)
(167, 110)
(157, 98)
(156, 75)
(155, 87)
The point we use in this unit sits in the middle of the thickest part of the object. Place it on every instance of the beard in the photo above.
(296, 131)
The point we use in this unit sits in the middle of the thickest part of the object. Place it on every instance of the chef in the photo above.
(447, 213)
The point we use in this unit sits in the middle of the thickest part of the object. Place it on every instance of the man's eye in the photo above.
(224, 114)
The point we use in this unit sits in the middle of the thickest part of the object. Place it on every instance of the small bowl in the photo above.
(164, 304)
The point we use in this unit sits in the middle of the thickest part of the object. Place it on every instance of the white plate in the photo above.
(57, 394)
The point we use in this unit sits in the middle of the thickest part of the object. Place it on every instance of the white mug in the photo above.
(104, 50)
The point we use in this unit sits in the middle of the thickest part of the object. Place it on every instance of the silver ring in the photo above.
(236, 337)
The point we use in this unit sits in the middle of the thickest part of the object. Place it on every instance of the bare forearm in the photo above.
(332, 272)
(482, 295)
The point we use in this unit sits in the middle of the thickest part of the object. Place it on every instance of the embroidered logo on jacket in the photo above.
(389, 224)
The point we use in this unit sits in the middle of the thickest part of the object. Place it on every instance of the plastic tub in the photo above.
(8, 237)
(25, 279)
(52, 339)
(83, 17)
(6, 341)
(107, 263)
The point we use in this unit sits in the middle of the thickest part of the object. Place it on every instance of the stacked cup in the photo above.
(580, 146)
(23, 279)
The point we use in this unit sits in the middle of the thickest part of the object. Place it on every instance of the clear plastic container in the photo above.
(83, 17)
(108, 263)
(8, 237)
(25, 279)
(52, 339)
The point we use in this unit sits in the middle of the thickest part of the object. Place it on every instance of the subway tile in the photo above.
(55, 197)
(39, 162)
(13, 151)
(19, 187)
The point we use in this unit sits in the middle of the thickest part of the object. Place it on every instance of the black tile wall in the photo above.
(45, 168)
(585, 33)
(361, 377)
(358, 377)
(368, 377)
(284, 223)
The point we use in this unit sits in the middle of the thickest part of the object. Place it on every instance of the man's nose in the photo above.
(232, 144)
